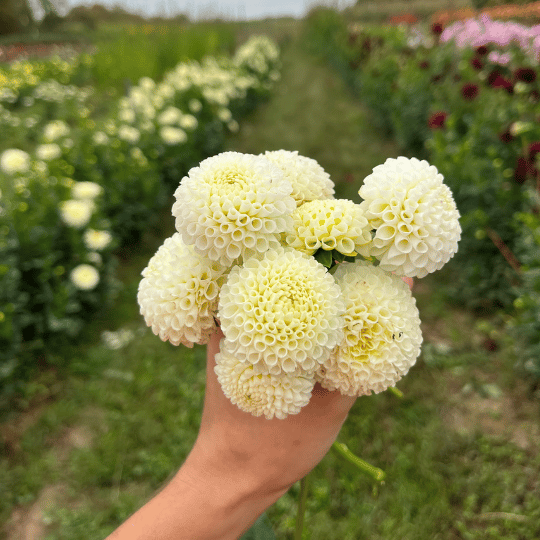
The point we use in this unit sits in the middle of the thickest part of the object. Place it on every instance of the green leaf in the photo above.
(338, 256)
(261, 530)
(324, 257)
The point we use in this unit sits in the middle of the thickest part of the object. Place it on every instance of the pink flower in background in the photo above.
(499, 58)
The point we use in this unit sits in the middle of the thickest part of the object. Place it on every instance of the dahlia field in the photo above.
(78, 183)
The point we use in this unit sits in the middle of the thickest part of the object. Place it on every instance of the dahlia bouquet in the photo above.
(305, 287)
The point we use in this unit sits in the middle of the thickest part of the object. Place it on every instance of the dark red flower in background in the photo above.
(501, 82)
(437, 29)
(526, 75)
(482, 50)
(506, 136)
(534, 149)
(520, 172)
(469, 91)
(535, 95)
(437, 120)
(493, 75)
(437, 78)
(476, 63)
(423, 65)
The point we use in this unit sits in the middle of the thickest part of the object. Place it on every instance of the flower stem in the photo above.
(376, 473)
(396, 392)
(301, 508)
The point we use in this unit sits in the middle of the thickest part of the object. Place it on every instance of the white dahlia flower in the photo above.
(100, 138)
(96, 240)
(48, 152)
(86, 190)
(14, 160)
(308, 179)
(172, 135)
(382, 334)
(414, 215)
(129, 133)
(54, 130)
(171, 115)
(329, 224)
(85, 277)
(178, 294)
(188, 121)
(194, 105)
(233, 205)
(76, 213)
(258, 394)
(281, 312)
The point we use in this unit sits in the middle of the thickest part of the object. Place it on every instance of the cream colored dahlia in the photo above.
(86, 190)
(308, 179)
(97, 240)
(233, 206)
(281, 312)
(76, 213)
(329, 224)
(414, 215)
(178, 294)
(382, 334)
(271, 395)
(14, 160)
(85, 277)
(48, 152)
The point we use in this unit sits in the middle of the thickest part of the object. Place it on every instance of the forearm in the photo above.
(196, 506)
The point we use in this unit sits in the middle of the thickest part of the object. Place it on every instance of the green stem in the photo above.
(396, 392)
(301, 508)
(376, 473)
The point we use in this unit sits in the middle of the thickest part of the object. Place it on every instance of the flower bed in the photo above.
(467, 99)
(90, 185)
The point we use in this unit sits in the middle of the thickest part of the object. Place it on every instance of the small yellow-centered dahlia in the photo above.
(382, 334)
(233, 206)
(14, 160)
(272, 395)
(329, 224)
(308, 179)
(97, 240)
(86, 190)
(281, 312)
(178, 294)
(414, 215)
(171, 135)
(76, 213)
(48, 152)
(85, 277)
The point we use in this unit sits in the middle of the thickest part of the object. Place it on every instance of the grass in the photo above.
(460, 451)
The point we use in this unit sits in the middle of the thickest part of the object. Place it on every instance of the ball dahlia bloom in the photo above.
(85, 277)
(76, 213)
(382, 335)
(86, 190)
(330, 224)
(308, 179)
(281, 312)
(178, 294)
(271, 395)
(414, 215)
(233, 206)
(14, 160)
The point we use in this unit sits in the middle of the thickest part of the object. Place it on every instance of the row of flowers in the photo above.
(90, 185)
(467, 98)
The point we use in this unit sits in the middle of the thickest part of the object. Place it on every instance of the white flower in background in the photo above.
(382, 335)
(86, 190)
(414, 215)
(194, 105)
(14, 160)
(129, 134)
(258, 394)
(54, 130)
(149, 112)
(94, 258)
(329, 224)
(233, 205)
(224, 114)
(76, 213)
(48, 152)
(171, 115)
(172, 135)
(126, 115)
(281, 312)
(84, 277)
(188, 121)
(97, 240)
(178, 294)
(308, 179)
(146, 83)
(30, 122)
(100, 138)
(68, 143)
(233, 126)
(117, 340)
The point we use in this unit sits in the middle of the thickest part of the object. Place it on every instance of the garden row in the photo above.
(467, 99)
(85, 184)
